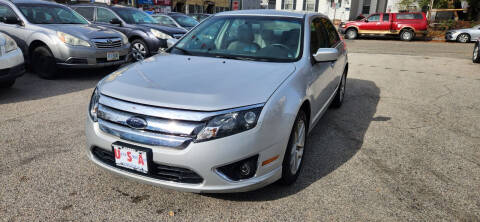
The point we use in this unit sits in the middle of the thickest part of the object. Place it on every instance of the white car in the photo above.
(11, 61)
(232, 110)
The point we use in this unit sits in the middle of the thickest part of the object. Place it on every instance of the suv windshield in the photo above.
(134, 16)
(50, 14)
(185, 21)
(164, 20)
(258, 38)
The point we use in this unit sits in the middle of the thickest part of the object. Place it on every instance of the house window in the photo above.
(310, 5)
(288, 5)
(366, 7)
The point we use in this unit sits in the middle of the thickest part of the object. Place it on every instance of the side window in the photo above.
(374, 18)
(386, 17)
(104, 15)
(333, 37)
(318, 36)
(86, 12)
(6, 12)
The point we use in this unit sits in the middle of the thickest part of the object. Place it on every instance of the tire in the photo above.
(291, 166)
(43, 63)
(463, 38)
(340, 95)
(476, 53)
(407, 35)
(139, 50)
(7, 84)
(351, 33)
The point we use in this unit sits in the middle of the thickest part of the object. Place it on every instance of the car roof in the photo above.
(268, 12)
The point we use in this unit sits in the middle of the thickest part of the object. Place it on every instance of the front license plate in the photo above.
(113, 56)
(131, 158)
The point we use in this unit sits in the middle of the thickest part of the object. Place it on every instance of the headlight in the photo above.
(72, 40)
(160, 35)
(229, 124)
(124, 38)
(93, 108)
(10, 44)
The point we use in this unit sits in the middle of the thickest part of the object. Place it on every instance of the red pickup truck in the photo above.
(406, 25)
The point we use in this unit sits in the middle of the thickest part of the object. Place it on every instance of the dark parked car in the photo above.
(145, 34)
(183, 20)
(476, 51)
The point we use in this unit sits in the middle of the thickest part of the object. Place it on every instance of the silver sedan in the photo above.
(232, 111)
(463, 35)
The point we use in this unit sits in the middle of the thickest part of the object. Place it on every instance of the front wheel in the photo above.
(139, 50)
(293, 159)
(351, 33)
(43, 63)
(476, 53)
(463, 38)
(407, 35)
(340, 95)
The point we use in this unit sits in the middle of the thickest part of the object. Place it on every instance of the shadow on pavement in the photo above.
(31, 87)
(336, 139)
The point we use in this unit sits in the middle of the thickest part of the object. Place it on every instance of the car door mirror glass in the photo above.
(116, 21)
(171, 42)
(326, 55)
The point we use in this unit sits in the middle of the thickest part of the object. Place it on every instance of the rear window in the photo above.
(410, 16)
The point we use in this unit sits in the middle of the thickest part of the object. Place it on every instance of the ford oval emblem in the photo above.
(136, 122)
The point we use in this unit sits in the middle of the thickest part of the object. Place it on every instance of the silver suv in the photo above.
(53, 36)
(233, 110)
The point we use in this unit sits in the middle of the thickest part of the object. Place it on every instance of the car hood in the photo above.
(196, 83)
(85, 32)
(166, 29)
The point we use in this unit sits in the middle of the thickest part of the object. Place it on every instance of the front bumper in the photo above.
(11, 65)
(91, 57)
(203, 158)
(451, 36)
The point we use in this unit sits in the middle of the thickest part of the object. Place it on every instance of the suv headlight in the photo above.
(160, 35)
(124, 38)
(93, 108)
(10, 44)
(72, 40)
(229, 124)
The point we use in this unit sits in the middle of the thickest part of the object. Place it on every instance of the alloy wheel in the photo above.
(463, 38)
(476, 52)
(139, 51)
(407, 35)
(351, 34)
(296, 154)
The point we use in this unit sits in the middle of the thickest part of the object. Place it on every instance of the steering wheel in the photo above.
(283, 47)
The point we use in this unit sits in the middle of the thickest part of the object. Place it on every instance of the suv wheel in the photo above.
(351, 33)
(463, 38)
(407, 35)
(43, 63)
(7, 84)
(476, 53)
(293, 159)
(139, 50)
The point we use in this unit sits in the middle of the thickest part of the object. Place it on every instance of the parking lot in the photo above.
(404, 146)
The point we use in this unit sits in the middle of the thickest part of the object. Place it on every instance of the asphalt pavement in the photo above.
(404, 146)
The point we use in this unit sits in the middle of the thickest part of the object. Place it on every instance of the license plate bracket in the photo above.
(140, 157)
(113, 56)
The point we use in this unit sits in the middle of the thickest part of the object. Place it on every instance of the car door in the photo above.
(371, 23)
(475, 32)
(321, 72)
(17, 32)
(385, 24)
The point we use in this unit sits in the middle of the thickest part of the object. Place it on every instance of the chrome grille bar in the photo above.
(108, 43)
(144, 137)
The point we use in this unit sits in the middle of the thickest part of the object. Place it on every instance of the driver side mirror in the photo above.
(326, 55)
(366, 20)
(171, 42)
(12, 20)
(116, 21)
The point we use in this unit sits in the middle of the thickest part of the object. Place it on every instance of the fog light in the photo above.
(241, 170)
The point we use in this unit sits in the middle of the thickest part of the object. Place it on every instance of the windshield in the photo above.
(50, 14)
(164, 20)
(134, 16)
(258, 38)
(185, 21)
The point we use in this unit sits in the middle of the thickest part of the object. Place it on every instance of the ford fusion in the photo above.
(232, 111)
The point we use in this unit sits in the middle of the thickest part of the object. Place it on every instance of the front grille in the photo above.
(157, 171)
(107, 43)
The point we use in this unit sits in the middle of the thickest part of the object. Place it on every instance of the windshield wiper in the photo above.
(240, 58)
(184, 51)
